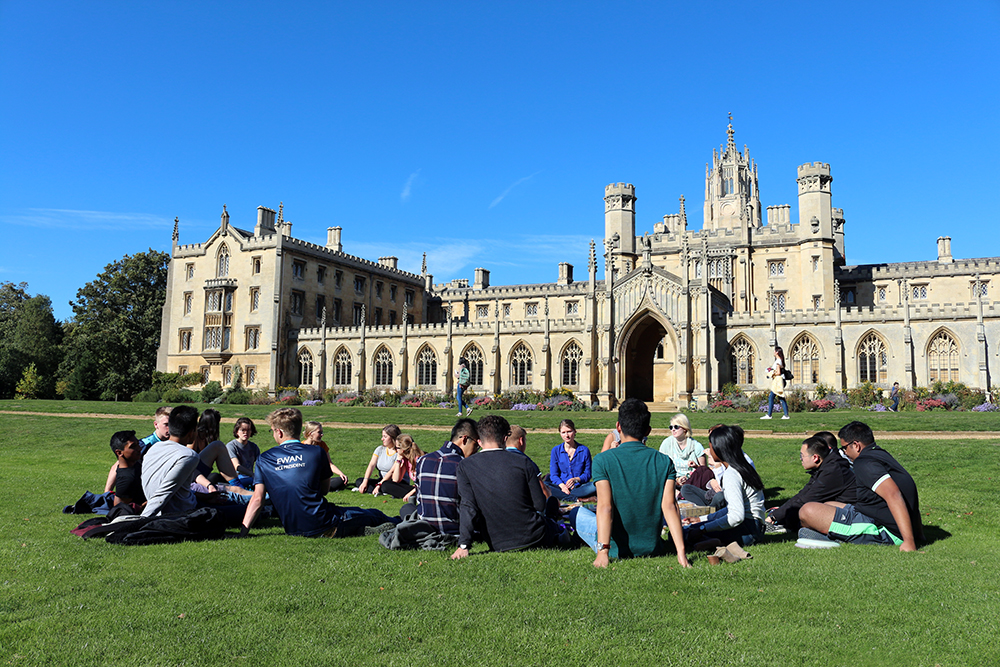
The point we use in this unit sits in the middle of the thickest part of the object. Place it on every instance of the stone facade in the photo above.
(677, 313)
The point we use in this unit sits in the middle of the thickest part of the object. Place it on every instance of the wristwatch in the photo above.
(603, 546)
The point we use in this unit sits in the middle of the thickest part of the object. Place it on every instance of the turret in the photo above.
(732, 200)
(815, 211)
(619, 219)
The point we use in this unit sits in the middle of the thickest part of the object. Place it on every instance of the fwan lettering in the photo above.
(283, 460)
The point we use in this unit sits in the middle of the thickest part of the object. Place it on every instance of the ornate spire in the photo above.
(730, 143)
(423, 265)
(683, 210)
(225, 215)
(281, 214)
(175, 236)
(592, 262)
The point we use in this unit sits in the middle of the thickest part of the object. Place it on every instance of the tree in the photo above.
(30, 384)
(29, 334)
(112, 343)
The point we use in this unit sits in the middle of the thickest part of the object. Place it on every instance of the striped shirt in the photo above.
(437, 488)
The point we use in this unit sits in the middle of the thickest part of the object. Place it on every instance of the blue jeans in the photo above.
(770, 404)
(353, 520)
(744, 534)
(458, 398)
(585, 490)
(584, 522)
(895, 403)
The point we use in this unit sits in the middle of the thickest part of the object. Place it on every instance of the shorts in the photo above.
(850, 525)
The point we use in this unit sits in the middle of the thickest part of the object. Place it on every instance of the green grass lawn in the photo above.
(278, 600)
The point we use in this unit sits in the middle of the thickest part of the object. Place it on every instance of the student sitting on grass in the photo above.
(887, 510)
(635, 496)
(128, 480)
(500, 496)
(312, 434)
(517, 441)
(570, 466)
(170, 467)
(382, 459)
(742, 519)
(397, 482)
(296, 476)
(159, 434)
(211, 451)
(830, 479)
(242, 452)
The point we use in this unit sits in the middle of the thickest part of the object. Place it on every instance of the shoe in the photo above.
(766, 417)
(774, 528)
(459, 414)
(786, 417)
(813, 539)
(379, 529)
(469, 412)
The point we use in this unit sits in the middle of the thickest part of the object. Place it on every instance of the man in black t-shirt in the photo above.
(887, 510)
(128, 479)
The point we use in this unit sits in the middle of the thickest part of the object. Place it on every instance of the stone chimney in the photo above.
(565, 273)
(333, 239)
(944, 250)
(482, 279)
(391, 262)
(265, 221)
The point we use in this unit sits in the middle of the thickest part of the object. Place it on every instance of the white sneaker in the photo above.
(459, 414)
(469, 412)
(786, 417)
(805, 543)
(766, 417)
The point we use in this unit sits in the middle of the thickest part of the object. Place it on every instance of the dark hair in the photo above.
(208, 425)
(781, 355)
(462, 361)
(244, 420)
(727, 443)
(120, 440)
(829, 438)
(466, 427)
(567, 422)
(633, 418)
(817, 445)
(392, 431)
(493, 429)
(857, 432)
(183, 420)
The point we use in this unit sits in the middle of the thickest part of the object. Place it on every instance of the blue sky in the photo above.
(481, 133)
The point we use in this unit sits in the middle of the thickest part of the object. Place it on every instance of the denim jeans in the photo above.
(353, 520)
(458, 398)
(584, 522)
(770, 404)
(585, 490)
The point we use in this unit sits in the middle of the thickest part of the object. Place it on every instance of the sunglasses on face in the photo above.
(676, 427)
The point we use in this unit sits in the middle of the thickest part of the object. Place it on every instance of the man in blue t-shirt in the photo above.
(297, 479)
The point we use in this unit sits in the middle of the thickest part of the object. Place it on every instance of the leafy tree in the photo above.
(29, 385)
(29, 334)
(116, 329)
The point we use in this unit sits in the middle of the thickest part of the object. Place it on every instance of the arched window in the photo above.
(305, 367)
(383, 367)
(571, 358)
(475, 358)
(873, 359)
(342, 367)
(223, 264)
(942, 358)
(741, 356)
(805, 360)
(427, 367)
(520, 365)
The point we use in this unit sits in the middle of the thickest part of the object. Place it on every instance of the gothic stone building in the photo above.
(676, 314)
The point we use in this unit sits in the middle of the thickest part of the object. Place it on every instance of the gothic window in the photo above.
(305, 367)
(776, 269)
(482, 311)
(982, 290)
(427, 368)
(189, 271)
(298, 270)
(358, 314)
(227, 376)
(815, 264)
(392, 293)
(213, 301)
(213, 338)
(850, 296)
(805, 360)
(778, 302)
(741, 356)
(338, 279)
(531, 310)
(873, 359)
(320, 307)
(253, 338)
(320, 274)
(520, 365)
(378, 289)
(205, 374)
(188, 302)
(255, 265)
(251, 379)
(298, 301)
(229, 302)
(223, 263)
(506, 310)
(409, 298)
(185, 339)
(383, 367)
(342, 368)
(378, 317)
(254, 298)
(359, 284)
(920, 291)
(573, 308)
(475, 358)
(571, 358)
(882, 293)
(817, 301)
(697, 268)
(659, 350)
(942, 358)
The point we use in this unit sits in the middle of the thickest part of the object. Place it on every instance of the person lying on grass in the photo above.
(160, 433)
(128, 479)
(887, 510)
(312, 434)
(297, 478)
(635, 495)
(500, 494)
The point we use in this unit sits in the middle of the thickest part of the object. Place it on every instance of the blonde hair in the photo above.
(408, 448)
(681, 420)
(309, 428)
(288, 420)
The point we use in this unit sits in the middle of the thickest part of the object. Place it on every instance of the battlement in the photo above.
(367, 263)
(619, 188)
(922, 269)
(814, 168)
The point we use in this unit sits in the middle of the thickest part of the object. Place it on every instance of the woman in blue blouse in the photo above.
(569, 467)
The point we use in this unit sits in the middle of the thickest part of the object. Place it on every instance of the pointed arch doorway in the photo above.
(649, 361)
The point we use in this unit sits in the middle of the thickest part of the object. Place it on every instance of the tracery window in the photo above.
(482, 311)
(776, 269)
(253, 338)
(383, 367)
(475, 358)
(741, 356)
(251, 375)
(223, 263)
(531, 309)
(520, 365)
(919, 291)
(572, 356)
(873, 359)
(805, 360)
(942, 358)
(305, 367)
(342, 368)
(427, 368)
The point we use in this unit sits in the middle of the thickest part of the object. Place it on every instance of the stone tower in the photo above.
(619, 221)
(732, 200)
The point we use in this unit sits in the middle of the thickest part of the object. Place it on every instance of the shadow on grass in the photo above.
(771, 492)
(933, 534)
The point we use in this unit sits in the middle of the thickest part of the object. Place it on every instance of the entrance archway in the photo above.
(649, 362)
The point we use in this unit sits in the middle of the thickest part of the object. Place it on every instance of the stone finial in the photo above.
(423, 265)
(683, 210)
(176, 235)
(225, 215)
(730, 142)
(322, 319)
(592, 262)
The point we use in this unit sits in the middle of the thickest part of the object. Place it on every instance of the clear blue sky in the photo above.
(481, 133)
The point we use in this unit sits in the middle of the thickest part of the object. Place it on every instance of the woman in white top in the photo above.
(686, 452)
(383, 458)
(777, 374)
(742, 519)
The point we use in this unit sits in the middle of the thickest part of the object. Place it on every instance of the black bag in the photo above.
(788, 375)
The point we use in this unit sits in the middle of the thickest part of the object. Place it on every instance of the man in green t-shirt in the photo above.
(628, 524)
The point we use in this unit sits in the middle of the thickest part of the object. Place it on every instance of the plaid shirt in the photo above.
(437, 488)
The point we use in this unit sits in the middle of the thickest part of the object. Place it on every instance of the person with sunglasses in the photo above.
(685, 452)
